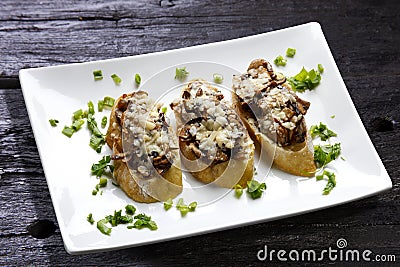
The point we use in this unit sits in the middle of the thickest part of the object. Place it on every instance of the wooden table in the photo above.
(364, 37)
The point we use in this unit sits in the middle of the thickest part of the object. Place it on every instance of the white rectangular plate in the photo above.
(56, 92)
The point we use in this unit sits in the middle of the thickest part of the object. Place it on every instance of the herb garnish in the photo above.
(90, 218)
(255, 189)
(181, 73)
(168, 204)
(322, 131)
(138, 79)
(320, 68)
(238, 190)
(98, 75)
(99, 168)
(117, 80)
(280, 61)
(53, 122)
(218, 78)
(290, 52)
(143, 221)
(305, 80)
(330, 176)
(323, 154)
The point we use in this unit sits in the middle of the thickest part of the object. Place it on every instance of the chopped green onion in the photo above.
(181, 73)
(78, 114)
(238, 190)
(322, 131)
(100, 105)
(90, 218)
(98, 75)
(97, 143)
(68, 131)
(116, 78)
(53, 122)
(218, 78)
(76, 125)
(104, 122)
(164, 110)
(103, 182)
(101, 225)
(184, 210)
(138, 79)
(320, 68)
(180, 203)
(305, 80)
(290, 52)
(192, 206)
(97, 139)
(108, 101)
(142, 221)
(280, 61)
(168, 204)
(94, 192)
(255, 189)
(129, 209)
(333, 116)
(91, 107)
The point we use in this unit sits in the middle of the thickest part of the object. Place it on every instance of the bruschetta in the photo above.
(214, 143)
(275, 117)
(145, 149)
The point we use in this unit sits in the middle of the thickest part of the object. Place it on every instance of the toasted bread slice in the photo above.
(215, 145)
(274, 116)
(145, 149)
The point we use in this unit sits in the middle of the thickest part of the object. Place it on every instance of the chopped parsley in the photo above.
(280, 61)
(118, 218)
(99, 168)
(53, 122)
(168, 204)
(218, 78)
(138, 79)
(164, 110)
(143, 221)
(305, 80)
(181, 73)
(322, 131)
(323, 154)
(330, 176)
(117, 80)
(290, 52)
(98, 75)
(255, 189)
(238, 190)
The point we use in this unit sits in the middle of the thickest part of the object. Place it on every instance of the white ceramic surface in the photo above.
(56, 92)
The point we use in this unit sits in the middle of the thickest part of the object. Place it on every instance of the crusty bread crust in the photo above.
(148, 190)
(296, 159)
(225, 174)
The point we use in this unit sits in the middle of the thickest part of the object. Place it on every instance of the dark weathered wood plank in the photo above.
(364, 37)
(46, 33)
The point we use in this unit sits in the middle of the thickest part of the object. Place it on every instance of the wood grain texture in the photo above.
(364, 37)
